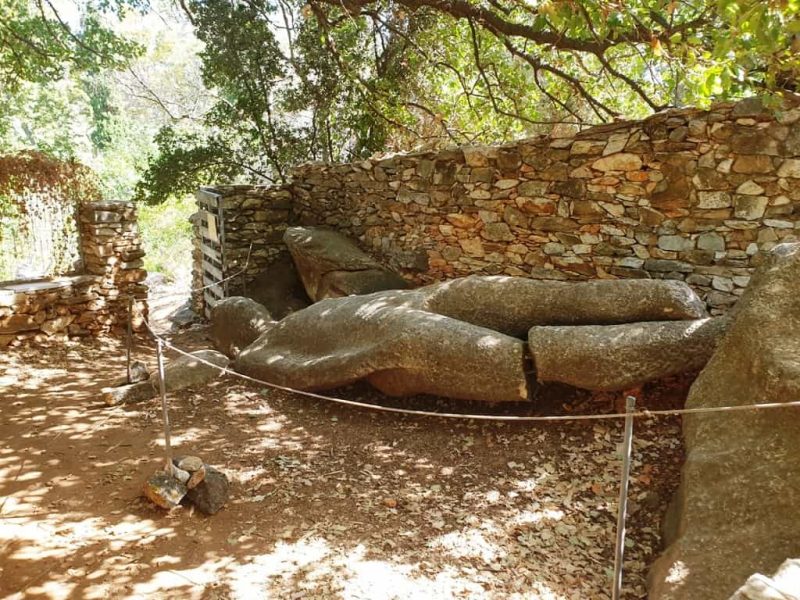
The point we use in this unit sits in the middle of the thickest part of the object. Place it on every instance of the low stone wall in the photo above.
(93, 302)
(685, 194)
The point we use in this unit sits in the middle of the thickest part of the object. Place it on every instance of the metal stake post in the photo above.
(130, 335)
(630, 405)
(165, 411)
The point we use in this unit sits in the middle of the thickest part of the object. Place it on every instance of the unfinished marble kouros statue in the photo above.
(463, 338)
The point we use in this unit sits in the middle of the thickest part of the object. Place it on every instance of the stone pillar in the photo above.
(111, 249)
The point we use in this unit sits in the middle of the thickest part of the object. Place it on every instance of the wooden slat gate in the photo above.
(212, 244)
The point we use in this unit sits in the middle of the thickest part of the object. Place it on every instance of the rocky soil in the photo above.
(326, 501)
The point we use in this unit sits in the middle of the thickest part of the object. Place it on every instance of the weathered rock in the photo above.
(784, 585)
(181, 475)
(331, 265)
(197, 477)
(188, 463)
(736, 508)
(164, 490)
(18, 323)
(278, 288)
(53, 326)
(512, 305)
(127, 393)
(451, 338)
(618, 162)
(188, 371)
(790, 168)
(236, 322)
(389, 340)
(620, 357)
(182, 317)
(139, 372)
(211, 494)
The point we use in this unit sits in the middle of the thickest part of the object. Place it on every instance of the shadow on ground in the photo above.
(327, 501)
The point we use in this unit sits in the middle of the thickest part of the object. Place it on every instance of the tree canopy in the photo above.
(39, 43)
(272, 83)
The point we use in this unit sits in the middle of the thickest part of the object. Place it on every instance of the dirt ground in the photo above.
(327, 501)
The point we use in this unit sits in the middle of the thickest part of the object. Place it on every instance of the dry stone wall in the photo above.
(685, 194)
(93, 302)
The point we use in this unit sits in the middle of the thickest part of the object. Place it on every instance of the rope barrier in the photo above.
(476, 417)
(628, 416)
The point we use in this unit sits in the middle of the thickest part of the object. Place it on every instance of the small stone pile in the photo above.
(188, 480)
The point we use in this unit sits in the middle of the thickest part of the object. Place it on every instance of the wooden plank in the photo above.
(210, 280)
(212, 254)
(209, 302)
(206, 197)
(209, 294)
(221, 236)
(213, 286)
(213, 271)
(206, 234)
(211, 226)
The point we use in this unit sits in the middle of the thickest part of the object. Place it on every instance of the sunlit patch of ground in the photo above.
(327, 501)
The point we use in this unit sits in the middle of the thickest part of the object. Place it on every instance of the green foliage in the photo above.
(184, 162)
(278, 104)
(38, 44)
(166, 236)
(273, 83)
(38, 199)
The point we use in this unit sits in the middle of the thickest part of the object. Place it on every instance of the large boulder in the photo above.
(736, 510)
(620, 357)
(331, 265)
(236, 322)
(387, 339)
(191, 371)
(513, 305)
(278, 288)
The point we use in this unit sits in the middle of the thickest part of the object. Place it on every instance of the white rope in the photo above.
(476, 417)
(191, 291)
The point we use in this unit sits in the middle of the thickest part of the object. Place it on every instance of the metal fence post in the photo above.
(130, 336)
(619, 551)
(164, 409)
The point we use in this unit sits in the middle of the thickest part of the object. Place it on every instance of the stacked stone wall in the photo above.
(92, 302)
(685, 194)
